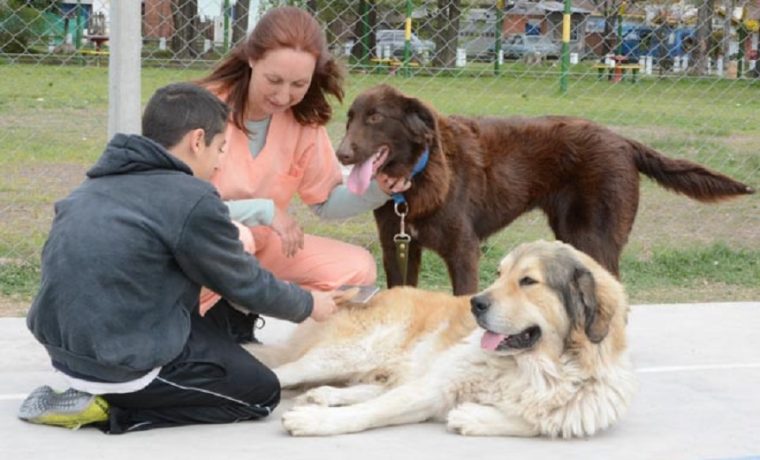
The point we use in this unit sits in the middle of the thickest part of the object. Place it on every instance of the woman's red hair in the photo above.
(282, 27)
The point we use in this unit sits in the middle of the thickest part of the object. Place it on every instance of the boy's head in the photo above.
(190, 122)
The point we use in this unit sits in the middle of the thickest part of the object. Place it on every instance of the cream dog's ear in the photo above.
(596, 318)
(576, 286)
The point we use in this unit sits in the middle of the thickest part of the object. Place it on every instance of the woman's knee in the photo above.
(366, 268)
(356, 266)
(342, 264)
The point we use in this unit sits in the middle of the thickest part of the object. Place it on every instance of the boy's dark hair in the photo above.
(178, 108)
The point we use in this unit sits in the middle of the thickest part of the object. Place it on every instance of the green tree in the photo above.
(184, 43)
(21, 25)
(610, 10)
(447, 39)
(701, 52)
(49, 6)
(240, 25)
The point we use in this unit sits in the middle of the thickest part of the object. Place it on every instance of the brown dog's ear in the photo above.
(420, 121)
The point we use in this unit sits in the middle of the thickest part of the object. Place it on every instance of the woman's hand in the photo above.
(391, 185)
(324, 305)
(289, 231)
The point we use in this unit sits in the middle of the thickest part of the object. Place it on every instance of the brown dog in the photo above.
(482, 173)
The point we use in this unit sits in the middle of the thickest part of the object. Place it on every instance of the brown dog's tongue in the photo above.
(359, 177)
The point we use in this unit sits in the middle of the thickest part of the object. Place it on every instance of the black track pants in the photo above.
(213, 380)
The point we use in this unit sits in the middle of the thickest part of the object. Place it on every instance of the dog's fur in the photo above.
(485, 172)
(561, 368)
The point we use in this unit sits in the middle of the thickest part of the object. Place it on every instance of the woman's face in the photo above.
(279, 80)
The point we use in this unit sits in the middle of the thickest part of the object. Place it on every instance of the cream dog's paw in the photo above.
(476, 420)
(470, 419)
(303, 421)
(321, 396)
(318, 421)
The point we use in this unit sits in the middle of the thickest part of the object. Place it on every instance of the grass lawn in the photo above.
(53, 123)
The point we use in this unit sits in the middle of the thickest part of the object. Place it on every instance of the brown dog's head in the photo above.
(386, 131)
(549, 295)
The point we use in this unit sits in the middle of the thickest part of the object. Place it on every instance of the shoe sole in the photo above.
(70, 408)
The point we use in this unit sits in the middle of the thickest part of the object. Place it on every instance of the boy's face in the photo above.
(207, 158)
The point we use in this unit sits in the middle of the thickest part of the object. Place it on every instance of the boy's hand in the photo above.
(324, 305)
(289, 231)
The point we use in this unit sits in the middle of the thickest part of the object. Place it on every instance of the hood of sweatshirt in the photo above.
(133, 153)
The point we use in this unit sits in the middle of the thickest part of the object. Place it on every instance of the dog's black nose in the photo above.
(480, 304)
(345, 151)
(343, 156)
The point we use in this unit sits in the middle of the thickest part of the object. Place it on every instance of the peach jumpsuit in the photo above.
(295, 159)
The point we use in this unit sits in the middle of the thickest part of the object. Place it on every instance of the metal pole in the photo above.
(619, 50)
(124, 69)
(740, 52)
(407, 38)
(742, 30)
(78, 32)
(498, 28)
(365, 51)
(565, 66)
(227, 25)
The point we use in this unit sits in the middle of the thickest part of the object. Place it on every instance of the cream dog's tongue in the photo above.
(490, 340)
(359, 177)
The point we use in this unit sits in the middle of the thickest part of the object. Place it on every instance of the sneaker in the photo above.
(70, 409)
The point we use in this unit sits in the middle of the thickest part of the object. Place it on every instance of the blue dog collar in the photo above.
(398, 198)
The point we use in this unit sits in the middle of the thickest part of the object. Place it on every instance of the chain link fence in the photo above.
(680, 76)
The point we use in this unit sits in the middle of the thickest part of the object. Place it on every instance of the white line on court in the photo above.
(697, 367)
(641, 370)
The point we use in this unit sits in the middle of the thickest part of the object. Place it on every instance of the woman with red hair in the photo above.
(277, 83)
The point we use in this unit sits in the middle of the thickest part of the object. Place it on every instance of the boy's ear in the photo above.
(197, 140)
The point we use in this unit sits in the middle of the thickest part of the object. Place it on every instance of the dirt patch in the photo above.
(705, 292)
(59, 178)
(29, 192)
(13, 307)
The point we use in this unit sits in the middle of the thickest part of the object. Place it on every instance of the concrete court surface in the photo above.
(699, 398)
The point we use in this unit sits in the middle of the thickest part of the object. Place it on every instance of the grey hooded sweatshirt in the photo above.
(127, 254)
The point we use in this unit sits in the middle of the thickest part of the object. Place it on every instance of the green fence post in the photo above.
(740, 52)
(226, 25)
(364, 40)
(621, 11)
(407, 39)
(565, 66)
(78, 32)
(497, 34)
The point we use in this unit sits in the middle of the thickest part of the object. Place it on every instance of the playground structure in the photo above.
(97, 31)
(70, 29)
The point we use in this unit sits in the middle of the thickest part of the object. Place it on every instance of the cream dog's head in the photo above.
(548, 296)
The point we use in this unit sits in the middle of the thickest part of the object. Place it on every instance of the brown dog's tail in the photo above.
(686, 177)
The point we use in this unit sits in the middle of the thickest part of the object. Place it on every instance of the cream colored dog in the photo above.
(540, 352)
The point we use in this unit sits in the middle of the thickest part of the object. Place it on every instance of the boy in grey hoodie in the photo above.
(127, 254)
